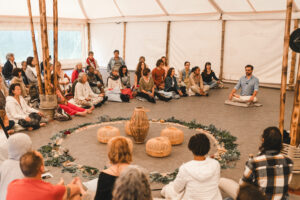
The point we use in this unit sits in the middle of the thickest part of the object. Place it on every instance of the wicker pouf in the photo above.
(175, 135)
(158, 147)
(127, 127)
(129, 141)
(105, 133)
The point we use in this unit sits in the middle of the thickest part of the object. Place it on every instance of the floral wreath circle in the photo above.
(57, 156)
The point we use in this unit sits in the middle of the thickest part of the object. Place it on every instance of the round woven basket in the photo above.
(105, 133)
(175, 135)
(158, 147)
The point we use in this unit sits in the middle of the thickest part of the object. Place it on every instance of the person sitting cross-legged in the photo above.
(147, 89)
(18, 110)
(198, 178)
(158, 75)
(208, 75)
(114, 87)
(95, 80)
(32, 187)
(84, 96)
(270, 170)
(196, 82)
(172, 86)
(249, 85)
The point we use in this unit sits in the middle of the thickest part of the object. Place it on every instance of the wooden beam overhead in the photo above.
(251, 5)
(162, 7)
(82, 9)
(120, 11)
(216, 6)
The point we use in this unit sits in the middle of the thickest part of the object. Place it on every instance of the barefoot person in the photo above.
(249, 85)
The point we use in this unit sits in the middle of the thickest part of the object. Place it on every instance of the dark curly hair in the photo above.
(12, 88)
(199, 144)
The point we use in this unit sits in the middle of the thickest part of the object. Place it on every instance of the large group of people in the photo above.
(85, 90)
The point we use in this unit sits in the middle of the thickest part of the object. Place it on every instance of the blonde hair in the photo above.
(76, 66)
(119, 150)
(132, 184)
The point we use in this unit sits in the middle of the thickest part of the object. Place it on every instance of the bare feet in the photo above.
(42, 124)
(11, 131)
(81, 113)
(89, 111)
(29, 129)
(92, 108)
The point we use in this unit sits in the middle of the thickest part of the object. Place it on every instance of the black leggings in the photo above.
(34, 122)
(183, 90)
(152, 99)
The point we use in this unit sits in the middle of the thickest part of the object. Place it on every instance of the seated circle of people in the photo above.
(196, 83)
(32, 167)
(95, 80)
(171, 84)
(17, 109)
(249, 85)
(115, 62)
(114, 87)
(84, 96)
(147, 88)
(209, 77)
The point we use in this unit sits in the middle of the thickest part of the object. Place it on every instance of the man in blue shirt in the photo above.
(249, 85)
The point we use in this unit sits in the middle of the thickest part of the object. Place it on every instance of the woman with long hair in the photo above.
(209, 76)
(166, 66)
(171, 84)
(18, 110)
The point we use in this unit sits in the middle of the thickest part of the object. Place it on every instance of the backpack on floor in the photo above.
(61, 115)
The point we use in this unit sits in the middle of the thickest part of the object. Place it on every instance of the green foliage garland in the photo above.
(55, 156)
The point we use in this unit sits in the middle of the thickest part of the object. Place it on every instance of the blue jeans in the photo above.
(211, 84)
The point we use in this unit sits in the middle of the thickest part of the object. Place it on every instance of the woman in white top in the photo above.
(18, 110)
(84, 96)
(198, 178)
(114, 87)
(63, 79)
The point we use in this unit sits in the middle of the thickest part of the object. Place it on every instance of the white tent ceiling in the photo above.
(99, 9)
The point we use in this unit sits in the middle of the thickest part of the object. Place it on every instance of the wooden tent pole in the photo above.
(37, 67)
(55, 41)
(293, 62)
(222, 50)
(124, 41)
(168, 40)
(285, 63)
(45, 47)
(89, 36)
(295, 121)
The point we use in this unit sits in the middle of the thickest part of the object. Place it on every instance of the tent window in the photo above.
(69, 44)
(17, 42)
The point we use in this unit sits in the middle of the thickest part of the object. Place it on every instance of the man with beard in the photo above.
(249, 85)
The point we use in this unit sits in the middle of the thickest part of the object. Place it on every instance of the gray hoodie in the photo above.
(18, 144)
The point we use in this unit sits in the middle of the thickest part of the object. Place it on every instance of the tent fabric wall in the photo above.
(197, 42)
(145, 39)
(105, 38)
(259, 43)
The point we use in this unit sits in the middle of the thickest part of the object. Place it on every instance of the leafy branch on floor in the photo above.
(55, 155)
